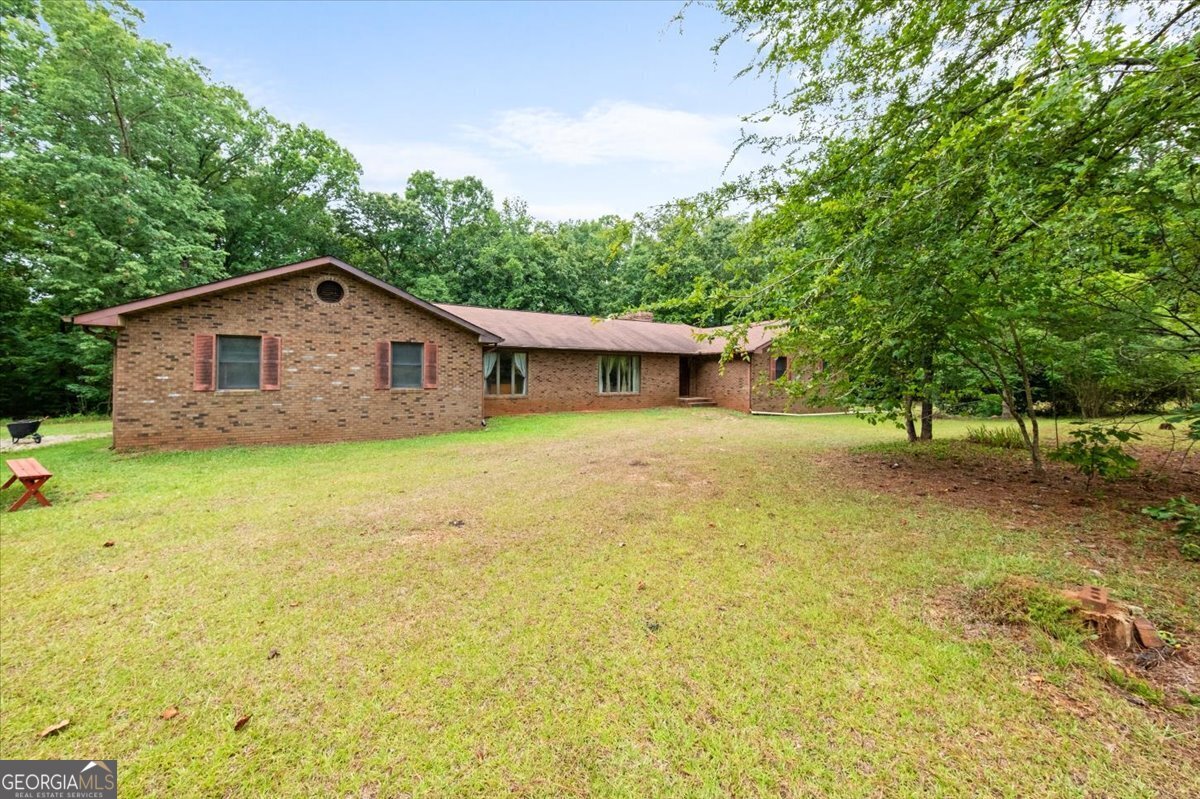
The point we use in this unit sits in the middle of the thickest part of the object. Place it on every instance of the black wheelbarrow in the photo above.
(25, 428)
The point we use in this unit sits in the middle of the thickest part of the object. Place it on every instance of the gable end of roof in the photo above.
(113, 317)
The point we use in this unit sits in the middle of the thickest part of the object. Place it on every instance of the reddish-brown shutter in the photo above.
(383, 365)
(272, 354)
(431, 365)
(204, 356)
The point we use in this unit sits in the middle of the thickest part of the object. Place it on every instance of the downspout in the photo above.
(483, 419)
(750, 383)
(109, 334)
(819, 413)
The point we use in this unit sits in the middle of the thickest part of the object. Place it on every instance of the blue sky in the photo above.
(579, 108)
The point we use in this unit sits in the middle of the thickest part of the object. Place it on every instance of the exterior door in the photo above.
(685, 376)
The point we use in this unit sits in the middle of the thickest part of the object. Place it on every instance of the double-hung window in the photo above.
(239, 362)
(505, 374)
(407, 363)
(620, 374)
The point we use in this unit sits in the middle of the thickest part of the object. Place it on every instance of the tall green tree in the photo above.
(128, 172)
(939, 156)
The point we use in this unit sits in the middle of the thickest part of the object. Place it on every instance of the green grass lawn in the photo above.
(663, 603)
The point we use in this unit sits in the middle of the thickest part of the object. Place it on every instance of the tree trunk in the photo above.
(927, 397)
(909, 425)
(1035, 446)
(1032, 438)
(997, 379)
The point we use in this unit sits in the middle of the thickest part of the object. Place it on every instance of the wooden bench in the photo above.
(33, 476)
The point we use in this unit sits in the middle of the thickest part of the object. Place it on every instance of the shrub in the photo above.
(1097, 449)
(1186, 517)
(1002, 437)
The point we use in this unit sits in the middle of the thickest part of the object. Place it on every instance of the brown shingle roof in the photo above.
(516, 329)
(760, 334)
(550, 331)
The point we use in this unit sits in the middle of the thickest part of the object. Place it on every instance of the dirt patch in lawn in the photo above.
(28, 445)
(1004, 485)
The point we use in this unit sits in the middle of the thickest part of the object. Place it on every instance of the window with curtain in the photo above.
(781, 368)
(505, 374)
(238, 361)
(407, 363)
(620, 374)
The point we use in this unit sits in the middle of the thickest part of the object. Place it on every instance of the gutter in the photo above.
(800, 415)
(96, 331)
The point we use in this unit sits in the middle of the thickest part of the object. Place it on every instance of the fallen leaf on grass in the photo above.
(274, 653)
(293, 604)
(54, 729)
(237, 725)
(641, 586)
(110, 543)
(169, 713)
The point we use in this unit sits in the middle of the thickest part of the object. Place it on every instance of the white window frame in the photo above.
(519, 360)
(628, 376)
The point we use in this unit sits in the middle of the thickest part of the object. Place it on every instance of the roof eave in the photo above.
(509, 345)
(113, 317)
(95, 319)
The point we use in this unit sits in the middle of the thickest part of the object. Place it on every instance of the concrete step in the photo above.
(697, 402)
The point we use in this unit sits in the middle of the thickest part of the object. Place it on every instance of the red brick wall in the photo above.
(768, 397)
(327, 391)
(567, 381)
(728, 386)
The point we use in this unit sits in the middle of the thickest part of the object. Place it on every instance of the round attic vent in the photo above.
(330, 291)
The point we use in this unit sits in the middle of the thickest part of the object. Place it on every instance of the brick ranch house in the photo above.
(319, 351)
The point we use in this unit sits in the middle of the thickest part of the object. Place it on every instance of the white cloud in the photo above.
(616, 157)
(387, 165)
(611, 132)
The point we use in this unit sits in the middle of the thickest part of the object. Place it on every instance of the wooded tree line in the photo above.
(126, 171)
(995, 196)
